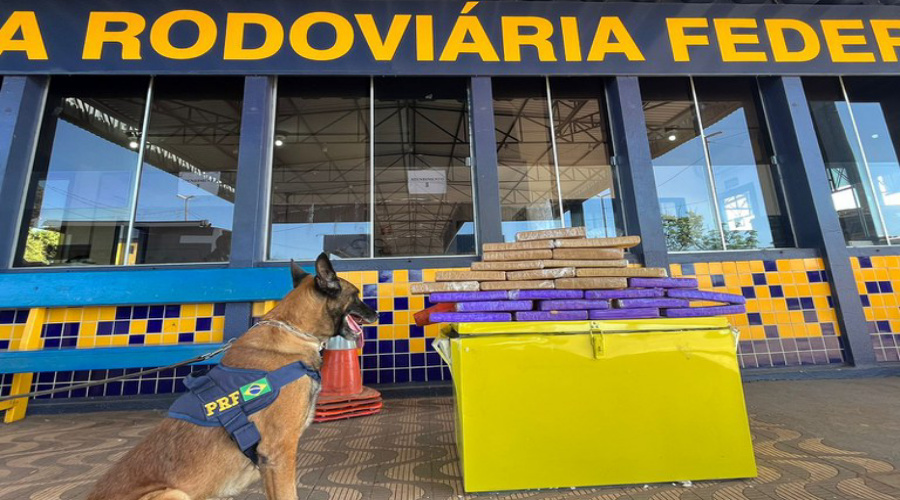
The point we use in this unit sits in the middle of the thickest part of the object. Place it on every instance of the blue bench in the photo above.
(39, 291)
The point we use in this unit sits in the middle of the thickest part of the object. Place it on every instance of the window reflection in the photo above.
(79, 199)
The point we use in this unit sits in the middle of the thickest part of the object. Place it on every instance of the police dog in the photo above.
(182, 461)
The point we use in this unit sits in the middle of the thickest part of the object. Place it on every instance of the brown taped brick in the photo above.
(588, 253)
(518, 255)
(470, 276)
(507, 266)
(620, 242)
(552, 234)
(585, 263)
(519, 245)
(518, 285)
(446, 286)
(542, 274)
(591, 283)
(629, 272)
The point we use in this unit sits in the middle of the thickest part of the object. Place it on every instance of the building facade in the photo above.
(754, 146)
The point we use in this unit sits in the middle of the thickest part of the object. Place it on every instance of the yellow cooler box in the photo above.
(591, 403)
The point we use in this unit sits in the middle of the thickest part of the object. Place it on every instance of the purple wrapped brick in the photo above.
(638, 303)
(479, 317)
(497, 305)
(437, 297)
(628, 293)
(695, 312)
(564, 305)
(663, 283)
(646, 312)
(687, 293)
(545, 294)
(551, 315)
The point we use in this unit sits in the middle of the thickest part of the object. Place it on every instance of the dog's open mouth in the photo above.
(353, 323)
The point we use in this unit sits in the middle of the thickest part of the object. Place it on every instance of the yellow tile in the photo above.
(55, 315)
(189, 311)
(826, 314)
(876, 300)
(216, 336)
(738, 320)
(704, 280)
(218, 324)
(715, 268)
(119, 340)
(169, 338)
(153, 339)
(105, 341)
(401, 276)
(369, 277)
(769, 318)
(782, 318)
(354, 277)
(202, 338)
(745, 279)
(416, 345)
(854, 263)
(138, 326)
(385, 332)
(385, 304)
(796, 317)
(860, 287)
(701, 268)
(74, 314)
(86, 342)
(786, 278)
(186, 325)
(416, 303)
(402, 317)
(779, 305)
(804, 290)
(870, 315)
(729, 268)
(812, 264)
(206, 310)
(432, 331)
(820, 289)
(90, 314)
(762, 292)
(773, 278)
(796, 265)
(401, 331)
(401, 289)
(107, 313)
(170, 326)
(756, 266)
(428, 274)
(675, 270)
(821, 303)
(743, 267)
(752, 306)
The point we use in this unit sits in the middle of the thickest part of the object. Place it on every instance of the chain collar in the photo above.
(292, 329)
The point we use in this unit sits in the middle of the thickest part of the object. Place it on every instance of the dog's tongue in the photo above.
(353, 324)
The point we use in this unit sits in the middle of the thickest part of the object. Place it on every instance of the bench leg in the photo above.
(21, 383)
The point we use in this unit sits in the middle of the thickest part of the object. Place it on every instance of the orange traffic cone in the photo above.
(343, 395)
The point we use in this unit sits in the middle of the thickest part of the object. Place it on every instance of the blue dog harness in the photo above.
(226, 397)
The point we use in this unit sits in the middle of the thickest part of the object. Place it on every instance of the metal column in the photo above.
(484, 152)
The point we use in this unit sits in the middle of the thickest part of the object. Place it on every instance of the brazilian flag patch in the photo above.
(255, 389)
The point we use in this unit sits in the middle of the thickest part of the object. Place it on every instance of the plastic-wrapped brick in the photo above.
(648, 312)
(565, 305)
(467, 296)
(628, 293)
(545, 294)
(685, 293)
(470, 317)
(663, 283)
(655, 302)
(496, 305)
(697, 312)
(551, 315)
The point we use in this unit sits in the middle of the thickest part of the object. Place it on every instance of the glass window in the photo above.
(79, 199)
(423, 173)
(323, 171)
(858, 138)
(554, 171)
(185, 204)
(717, 188)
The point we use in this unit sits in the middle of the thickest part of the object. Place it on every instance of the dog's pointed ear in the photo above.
(297, 273)
(326, 279)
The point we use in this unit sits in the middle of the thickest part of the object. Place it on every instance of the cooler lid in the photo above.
(570, 327)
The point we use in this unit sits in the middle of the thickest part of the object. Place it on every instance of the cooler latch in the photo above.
(597, 342)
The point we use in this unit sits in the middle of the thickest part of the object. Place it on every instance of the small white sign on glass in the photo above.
(427, 181)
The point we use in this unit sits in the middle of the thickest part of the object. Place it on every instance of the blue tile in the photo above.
(95, 391)
(810, 317)
(771, 331)
(147, 386)
(415, 275)
(370, 332)
(71, 329)
(433, 358)
(385, 318)
(401, 360)
(885, 287)
(154, 326)
(434, 373)
(385, 361)
(370, 291)
(401, 376)
(186, 337)
(814, 276)
(776, 291)
(123, 312)
(793, 304)
(807, 303)
(872, 287)
(219, 309)
(865, 300)
(385, 346)
(385, 276)
(754, 318)
(830, 300)
(748, 292)
(759, 278)
(130, 388)
(417, 359)
(373, 303)
(401, 345)
(165, 386)
(828, 329)
(428, 302)
(52, 330)
(4, 345)
(121, 327)
(385, 376)
(114, 389)
(770, 266)
(140, 312)
(173, 311)
(369, 362)
(884, 326)
(401, 303)
(418, 374)
(135, 339)
(369, 348)
(51, 342)
(416, 332)
(687, 270)
(865, 262)
(204, 324)
(156, 312)
(370, 377)
(824, 275)
(21, 316)
(7, 316)
(718, 280)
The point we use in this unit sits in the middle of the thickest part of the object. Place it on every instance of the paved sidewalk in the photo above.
(813, 440)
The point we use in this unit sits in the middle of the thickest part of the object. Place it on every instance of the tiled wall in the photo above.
(790, 318)
(876, 280)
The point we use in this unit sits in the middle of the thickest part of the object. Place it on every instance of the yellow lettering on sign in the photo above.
(836, 41)
(206, 37)
(780, 52)
(98, 34)
(887, 44)
(424, 38)
(514, 39)
(571, 38)
(31, 42)
(610, 28)
(680, 41)
(468, 26)
(729, 40)
(234, 398)
(343, 36)
(383, 49)
(236, 27)
(210, 408)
